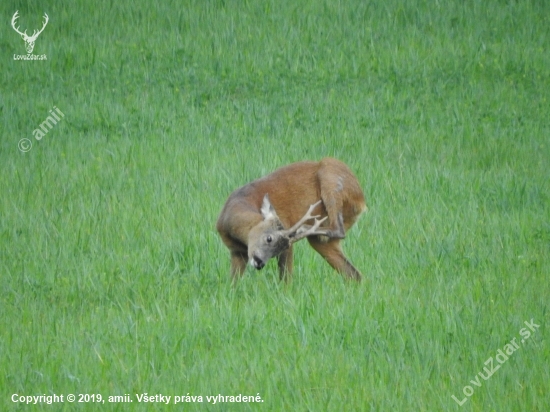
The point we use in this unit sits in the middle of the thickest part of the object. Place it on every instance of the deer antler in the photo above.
(294, 232)
(37, 32)
(29, 40)
(14, 18)
(313, 230)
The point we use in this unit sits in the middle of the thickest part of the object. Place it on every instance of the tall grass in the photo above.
(115, 282)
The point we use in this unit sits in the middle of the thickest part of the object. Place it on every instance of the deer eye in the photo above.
(268, 239)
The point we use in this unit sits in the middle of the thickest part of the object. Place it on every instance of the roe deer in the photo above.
(264, 218)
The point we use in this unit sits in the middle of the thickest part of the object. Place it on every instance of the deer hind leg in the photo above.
(285, 262)
(333, 203)
(331, 194)
(332, 253)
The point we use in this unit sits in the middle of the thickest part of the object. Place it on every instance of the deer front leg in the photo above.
(286, 264)
(238, 264)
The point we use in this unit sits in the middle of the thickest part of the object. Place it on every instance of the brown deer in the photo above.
(264, 218)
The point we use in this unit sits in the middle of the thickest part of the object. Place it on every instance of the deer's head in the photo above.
(29, 40)
(269, 238)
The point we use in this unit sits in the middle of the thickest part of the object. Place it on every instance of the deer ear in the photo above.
(268, 212)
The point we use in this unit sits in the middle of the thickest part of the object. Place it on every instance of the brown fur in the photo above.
(249, 216)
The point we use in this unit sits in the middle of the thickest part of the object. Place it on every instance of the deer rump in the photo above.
(264, 218)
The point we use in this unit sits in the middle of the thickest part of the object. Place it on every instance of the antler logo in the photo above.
(29, 40)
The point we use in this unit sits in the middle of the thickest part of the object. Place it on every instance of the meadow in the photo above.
(113, 280)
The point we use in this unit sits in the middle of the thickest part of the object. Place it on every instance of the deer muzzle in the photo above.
(256, 262)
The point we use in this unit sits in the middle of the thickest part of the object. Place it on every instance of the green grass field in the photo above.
(115, 282)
